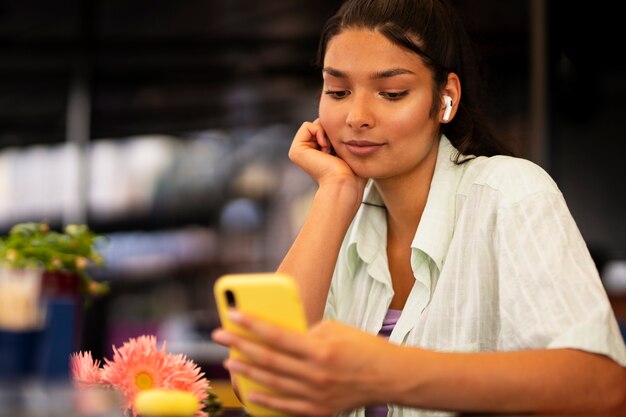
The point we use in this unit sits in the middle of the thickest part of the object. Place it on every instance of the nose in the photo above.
(360, 115)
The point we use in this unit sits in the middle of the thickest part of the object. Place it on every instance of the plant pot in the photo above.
(62, 335)
(57, 284)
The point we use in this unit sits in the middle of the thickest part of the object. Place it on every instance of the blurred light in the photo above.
(614, 276)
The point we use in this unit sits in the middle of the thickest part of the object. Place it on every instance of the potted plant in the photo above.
(64, 257)
(44, 286)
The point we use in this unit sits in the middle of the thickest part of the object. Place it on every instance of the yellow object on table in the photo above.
(166, 403)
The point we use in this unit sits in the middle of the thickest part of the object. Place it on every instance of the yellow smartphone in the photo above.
(272, 297)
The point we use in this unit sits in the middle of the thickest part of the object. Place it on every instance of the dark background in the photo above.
(161, 66)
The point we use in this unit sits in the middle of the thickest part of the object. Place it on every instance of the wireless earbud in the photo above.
(448, 102)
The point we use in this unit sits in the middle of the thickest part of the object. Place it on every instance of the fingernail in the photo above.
(232, 365)
(220, 336)
(234, 316)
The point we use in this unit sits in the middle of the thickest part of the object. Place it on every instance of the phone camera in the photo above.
(230, 298)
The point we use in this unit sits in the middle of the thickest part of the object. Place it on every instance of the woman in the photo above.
(469, 263)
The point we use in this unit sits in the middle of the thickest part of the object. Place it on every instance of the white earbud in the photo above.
(448, 102)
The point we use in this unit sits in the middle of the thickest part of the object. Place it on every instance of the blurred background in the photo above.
(165, 126)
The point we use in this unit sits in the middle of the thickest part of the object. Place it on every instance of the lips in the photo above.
(362, 147)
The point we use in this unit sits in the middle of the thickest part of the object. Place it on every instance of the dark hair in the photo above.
(433, 30)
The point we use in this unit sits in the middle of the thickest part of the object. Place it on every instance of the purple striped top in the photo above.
(389, 322)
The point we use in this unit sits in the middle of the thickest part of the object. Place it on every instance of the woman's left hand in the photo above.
(329, 369)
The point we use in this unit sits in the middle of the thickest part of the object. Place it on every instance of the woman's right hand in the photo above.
(312, 151)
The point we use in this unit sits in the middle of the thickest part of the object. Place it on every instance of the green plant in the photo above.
(35, 245)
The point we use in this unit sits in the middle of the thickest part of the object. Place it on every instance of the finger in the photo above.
(320, 135)
(259, 351)
(317, 137)
(280, 383)
(307, 133)
(313, 132)
(274, 361)
(279, 338)
(220, 336)
(322, 139)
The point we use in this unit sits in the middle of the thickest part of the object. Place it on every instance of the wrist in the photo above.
(342, 192)
(401, 383)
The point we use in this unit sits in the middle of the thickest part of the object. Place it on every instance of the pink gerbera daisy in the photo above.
(138, 365)
(85, 370)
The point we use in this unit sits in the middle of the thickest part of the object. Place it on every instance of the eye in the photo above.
(394, 95)
(337, 94)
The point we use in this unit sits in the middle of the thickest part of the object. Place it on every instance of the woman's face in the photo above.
(375, 106)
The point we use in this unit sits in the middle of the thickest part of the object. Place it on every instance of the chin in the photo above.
(363, 173)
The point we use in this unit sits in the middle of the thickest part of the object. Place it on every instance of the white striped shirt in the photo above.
(499, 265)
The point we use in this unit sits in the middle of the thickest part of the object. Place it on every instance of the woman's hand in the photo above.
(331, 368)
(312, 151)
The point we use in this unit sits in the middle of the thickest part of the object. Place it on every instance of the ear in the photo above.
(452, 89)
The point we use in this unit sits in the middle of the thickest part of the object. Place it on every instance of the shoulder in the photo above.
(514, 179)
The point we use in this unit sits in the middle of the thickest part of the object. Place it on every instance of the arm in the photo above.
(335, 368)
(558, 380)
(312, 257)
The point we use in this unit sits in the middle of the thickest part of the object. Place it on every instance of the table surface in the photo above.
(51, 401)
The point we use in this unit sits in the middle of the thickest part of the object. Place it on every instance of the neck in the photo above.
(405, 197)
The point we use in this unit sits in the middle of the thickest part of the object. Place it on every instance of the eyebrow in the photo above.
(375, 76)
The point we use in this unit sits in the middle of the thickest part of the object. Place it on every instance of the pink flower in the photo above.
(140, 365)
(85, 370)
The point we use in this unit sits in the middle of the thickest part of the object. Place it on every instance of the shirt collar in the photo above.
(434, 233)
(436, 226)
(369, 228)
